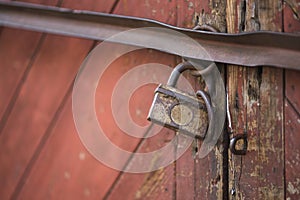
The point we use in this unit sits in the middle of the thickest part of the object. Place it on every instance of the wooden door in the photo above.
(42, 156)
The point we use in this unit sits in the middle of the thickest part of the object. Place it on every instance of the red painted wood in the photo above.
(104, 172)
(93, 5)
(189, 10)
(16, 51)
(99, 6)
(140, 101)
(48, 81)
(292, 110)
(292, 152)
(43, 2)
(65, 169)
(164, 11)
(158, 184)
(292, 87)
(291, 24)
(291, 20)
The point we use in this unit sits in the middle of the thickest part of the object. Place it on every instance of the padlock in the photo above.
(177, 109)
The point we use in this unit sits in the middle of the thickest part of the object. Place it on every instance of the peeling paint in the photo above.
(215, 18)
(271, 192)
(292, 189)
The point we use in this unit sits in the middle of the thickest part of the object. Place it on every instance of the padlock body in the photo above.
(179, 111)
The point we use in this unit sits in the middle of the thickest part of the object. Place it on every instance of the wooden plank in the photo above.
(17, 49)
(103, 98)
(92, 5)
(50, 78)
(14, 73)
(292, 152)
(291, 24)
(292, 107)
(291, 11)
(102, 6)
(292, 87)
(158, 184)
(163, 11)
(41, 94)
(65, 169)
(255, 97)
(43, 2)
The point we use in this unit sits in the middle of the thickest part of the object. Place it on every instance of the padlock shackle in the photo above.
(177, 71)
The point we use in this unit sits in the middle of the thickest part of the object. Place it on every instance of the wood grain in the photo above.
(18, 49)
(39, 99)
(292, 152)
(256, 104)
(40, 96)
(292, 107)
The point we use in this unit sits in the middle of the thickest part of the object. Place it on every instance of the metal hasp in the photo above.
(179, 110)
(248, 49)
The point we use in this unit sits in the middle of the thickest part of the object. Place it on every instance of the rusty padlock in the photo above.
(179, 110)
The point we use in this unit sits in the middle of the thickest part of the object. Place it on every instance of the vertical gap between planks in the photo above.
(283, 107)
(226, 140)
(283, 131)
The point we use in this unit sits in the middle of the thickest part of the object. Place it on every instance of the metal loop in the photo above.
(180, 68)
(233, 142)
